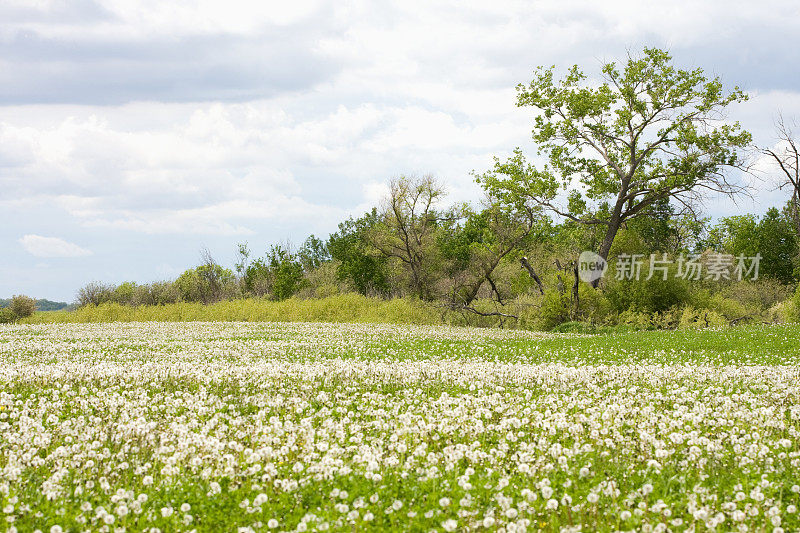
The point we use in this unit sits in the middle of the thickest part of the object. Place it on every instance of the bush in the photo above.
(782, 313)
(731, 309)
(649, 296)
(594, 306)
(692, 318)
(762, 293)
(6, 315)
(636, 319)
(207, 283)
(555, 309)
(22, 306)
(124, 293)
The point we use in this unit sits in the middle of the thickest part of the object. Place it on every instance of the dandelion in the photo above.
(449, 525)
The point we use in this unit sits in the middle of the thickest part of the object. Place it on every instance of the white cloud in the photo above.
(51, 247)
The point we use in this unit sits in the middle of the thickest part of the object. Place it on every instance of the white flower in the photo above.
(551, 504)
(450, 525)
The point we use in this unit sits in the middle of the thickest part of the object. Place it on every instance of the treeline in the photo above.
(513, 265)
(621, 167)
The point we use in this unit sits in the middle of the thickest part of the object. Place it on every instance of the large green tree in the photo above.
(646, 132)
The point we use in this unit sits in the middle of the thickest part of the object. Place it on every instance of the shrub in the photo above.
(731, 309)
(636, 319)
(206, 284)
(781, 313)
(22, 306)
(763, 293)
(594, 305)
(692, 318)
(6, 315)
(647, 295)
(555, 309)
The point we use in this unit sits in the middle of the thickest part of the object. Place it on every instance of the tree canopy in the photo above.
(648, 132)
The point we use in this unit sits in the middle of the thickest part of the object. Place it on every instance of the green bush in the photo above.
(594, 305)
(733, 309)
(762, 293)
(22, 306)
(648, 296)
(635, 319)
(207, 283)
(555, 309)
(6, 315)
(692, 318)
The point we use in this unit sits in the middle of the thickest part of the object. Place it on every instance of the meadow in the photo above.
(233, 426)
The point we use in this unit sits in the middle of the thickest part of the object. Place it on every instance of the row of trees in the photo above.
(624, 166)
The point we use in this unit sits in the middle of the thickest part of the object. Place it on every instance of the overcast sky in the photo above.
(133, 133)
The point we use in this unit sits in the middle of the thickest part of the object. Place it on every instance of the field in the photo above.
(312, 427)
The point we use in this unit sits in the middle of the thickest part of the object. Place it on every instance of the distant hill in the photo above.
(41, 305)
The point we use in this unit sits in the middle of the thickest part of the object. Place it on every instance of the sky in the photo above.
(135, 133)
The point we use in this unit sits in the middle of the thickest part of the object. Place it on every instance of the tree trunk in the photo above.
(605, 247)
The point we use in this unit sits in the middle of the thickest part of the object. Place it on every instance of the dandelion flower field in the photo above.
(314, 427)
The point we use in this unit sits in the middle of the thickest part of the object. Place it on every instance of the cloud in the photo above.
(51, 247)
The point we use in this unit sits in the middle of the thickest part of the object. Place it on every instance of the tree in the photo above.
(476, 247)
(286, 272)
(648, 132)
(772, 238)
(356, 265)
(787, 156)
(313, 253)
(407, 229)
(778, 246)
